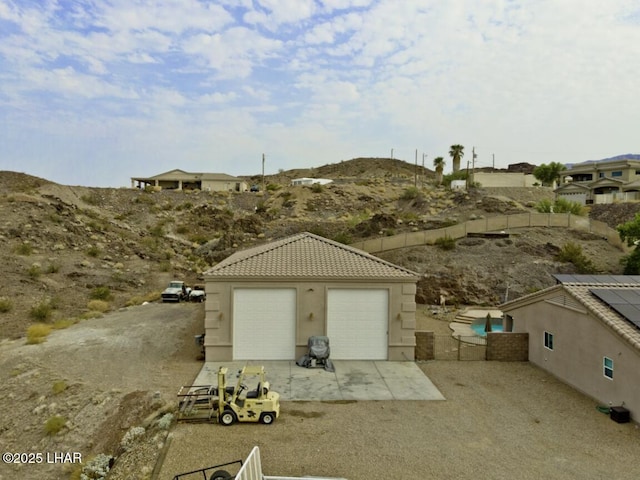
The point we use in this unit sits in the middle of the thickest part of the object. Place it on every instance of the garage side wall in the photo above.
(311, 312)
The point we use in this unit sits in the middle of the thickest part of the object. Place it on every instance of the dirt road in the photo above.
(100, 375)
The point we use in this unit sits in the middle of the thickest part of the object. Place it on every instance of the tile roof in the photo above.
(580, 288)
(308, 256)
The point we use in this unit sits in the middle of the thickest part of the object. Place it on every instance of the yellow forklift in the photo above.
(228, 404)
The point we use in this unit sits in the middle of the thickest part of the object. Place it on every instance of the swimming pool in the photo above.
(478, 326)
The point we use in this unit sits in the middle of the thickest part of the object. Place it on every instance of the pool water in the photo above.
(479, 323)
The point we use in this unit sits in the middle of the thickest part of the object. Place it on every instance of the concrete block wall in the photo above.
(508, 347)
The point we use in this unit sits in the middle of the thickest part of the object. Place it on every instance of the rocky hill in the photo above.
(67, 246)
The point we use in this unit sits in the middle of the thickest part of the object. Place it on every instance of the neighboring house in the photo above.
(264, 303)
(310, 181)
(181, 180)
(606, 181)
(586, 331)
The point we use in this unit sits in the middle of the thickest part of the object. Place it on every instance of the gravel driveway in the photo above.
(500, 421)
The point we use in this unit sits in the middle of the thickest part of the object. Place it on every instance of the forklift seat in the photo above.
(254, 393)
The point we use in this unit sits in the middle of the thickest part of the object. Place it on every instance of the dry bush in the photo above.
(98, 306)
(37, 333)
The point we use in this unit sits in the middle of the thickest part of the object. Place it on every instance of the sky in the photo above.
(94, 92)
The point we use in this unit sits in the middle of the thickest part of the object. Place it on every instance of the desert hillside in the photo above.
(66, 246)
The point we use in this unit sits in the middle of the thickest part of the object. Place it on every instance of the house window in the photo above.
(607, 365)
(617, 173)
(601, 175)
(548, 340)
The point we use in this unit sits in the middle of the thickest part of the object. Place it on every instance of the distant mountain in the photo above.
(626, 156)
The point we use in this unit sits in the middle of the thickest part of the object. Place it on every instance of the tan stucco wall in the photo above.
(223, 186)
(311, 298)
(504, 179)
(580, 342)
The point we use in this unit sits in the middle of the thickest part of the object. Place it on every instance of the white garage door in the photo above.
(357, 323)
(264, 324)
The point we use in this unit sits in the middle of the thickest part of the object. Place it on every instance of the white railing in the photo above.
(252, 470)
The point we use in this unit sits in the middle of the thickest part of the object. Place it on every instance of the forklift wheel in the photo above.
(228, 418)
(220, 475)
(267, 418)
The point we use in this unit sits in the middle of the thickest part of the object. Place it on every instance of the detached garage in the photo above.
(263, 303)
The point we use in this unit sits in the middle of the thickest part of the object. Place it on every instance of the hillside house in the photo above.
(586, 331)
(180, 180)
(606, 181)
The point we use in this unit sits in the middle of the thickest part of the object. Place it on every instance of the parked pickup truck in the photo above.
(176, 291)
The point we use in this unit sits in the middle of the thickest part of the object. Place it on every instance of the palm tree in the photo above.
(456, 153)
(438, 162)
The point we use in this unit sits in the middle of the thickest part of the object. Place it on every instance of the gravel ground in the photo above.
(500, 421)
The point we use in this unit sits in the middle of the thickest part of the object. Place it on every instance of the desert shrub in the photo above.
(445, 243)
(572, 253)
(390, 232)
(157, 230)
(101, 293)
(93, 251)
(64, 323)
(37, 333)
(97, 468)
(317, 188)
(34, 271)
(165, 421)
(165, 266)
(90, 314)
(410, 193)
(25, 249)
(5, 305)
(131, 436)
(167, 206)
(41, 312)
(182, 229)
(140, 299)
(58, 387)
(92, 198)
(272, 187)
(198, 238)
(98, 306)
(342, 237)
(561, 205)
(53, 267)
(54, 425)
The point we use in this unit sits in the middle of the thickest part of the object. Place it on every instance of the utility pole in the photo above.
(473, 161)
(415, 175)
(392, 154)
(467, 175)
(423, 175)
(263, 172)
(493, 163)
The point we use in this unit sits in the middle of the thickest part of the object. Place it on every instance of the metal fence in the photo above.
(448, 347)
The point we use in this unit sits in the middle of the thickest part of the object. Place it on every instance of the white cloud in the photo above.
(316, 80)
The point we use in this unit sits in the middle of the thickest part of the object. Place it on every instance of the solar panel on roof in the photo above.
(608, 296)
(625, 301)
(598, 279)
(630, 312)
(630, 296)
